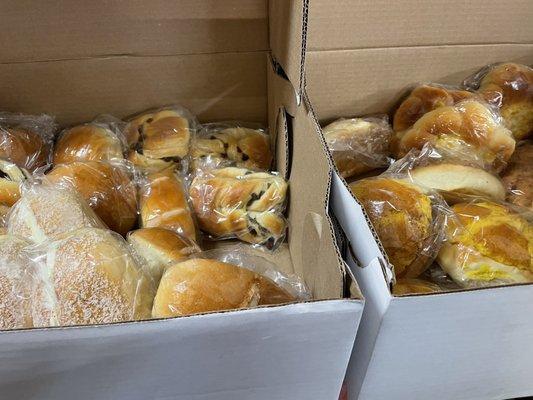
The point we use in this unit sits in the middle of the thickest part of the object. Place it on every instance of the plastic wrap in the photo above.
(147, 165)
(359, 145)
(226, 279)
(408, 219)
(487, 244)
(17, 275)
(245, 145)
(106, 186)
(240, 203)
(11, 177)
(509, 87)
(88, 276)
(518, 176)
(26, 140)
(46, 210)
(99, 140)
(158, 248)
(164, 204)
(414, 286)
(162, 133)
(469, 127)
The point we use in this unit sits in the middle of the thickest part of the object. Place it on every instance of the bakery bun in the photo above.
(16, 277)
(510, 87)
(88, 142)
(11, 178)
(358, 145)
(455, 181)
(518, 176)
(89, 276)
(148, 165)
(23, 147)
(414, 286)
(487, 244)
(106, 187)
(235, 202)
(45, 211)
(423, 99)
(163, 133)
(159, 247)
(164, 204)
(244, 147)
(203, 285)
(402, 215)
(469, 127)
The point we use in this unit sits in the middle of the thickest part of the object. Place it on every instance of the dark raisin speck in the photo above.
(245, 157)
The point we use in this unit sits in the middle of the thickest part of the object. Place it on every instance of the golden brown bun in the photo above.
(203, 285)
(402, 217)
(469, 127)
(11, 177)
(455, 181)
(23, 147)
(159, 247)
(235, 202)
(510, 86)
(15, 284)
(88, 142)
(164, 133)
(423, 99)
(90, 277)
(487, 244)
(107, 188)
(247, 148)
(148, 165)
(358, 145)
(163, 204)
(45, 211)
(413, 286)
(518, 176)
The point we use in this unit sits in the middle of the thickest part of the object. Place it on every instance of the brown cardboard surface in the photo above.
(348, 24)
(66, 29)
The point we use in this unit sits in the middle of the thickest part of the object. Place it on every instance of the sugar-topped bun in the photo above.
(487, 244)
(89, 276)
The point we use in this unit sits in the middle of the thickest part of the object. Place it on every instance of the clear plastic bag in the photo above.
(46, 210)
(487, 244)
(245, 145)
(408, 219)
(414, 286)
(88, 276)
(162, 133)
(359, 145)
(26, 140)
(11, 177)
(518, 176)
(509, 87)
(240, 203)
(99, 140)
(107, 187)
(147, 165)
(469, 126)
(227, 279)
(164, 203)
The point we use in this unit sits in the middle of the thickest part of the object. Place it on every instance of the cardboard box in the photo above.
(78, 59)
(361, 58)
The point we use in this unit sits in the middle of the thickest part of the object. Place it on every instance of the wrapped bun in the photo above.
(414, 286)
(518, 176)
(148, 165)
(11, 178)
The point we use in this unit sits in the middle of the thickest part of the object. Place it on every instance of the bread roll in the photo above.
(414, 286)
(106, 187)
(163, 133)
(163, 204)
(423, 99)
(403, 218)
(455, 181)
(358, 145)
(45, 211)
(203, 285)
(148, 165)
(245, 147)
(469, 127)
(510, 87)
(235, 202)
(487, 244)
(11, 178)
(159, 247)
(23, 147)
(518, 176)
(87, 142)
(89, 276)
(16, 278)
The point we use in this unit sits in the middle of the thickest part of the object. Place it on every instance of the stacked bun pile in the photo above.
(108, 221)
(454, 207)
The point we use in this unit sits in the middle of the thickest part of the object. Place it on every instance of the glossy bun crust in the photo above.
(518, 176)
